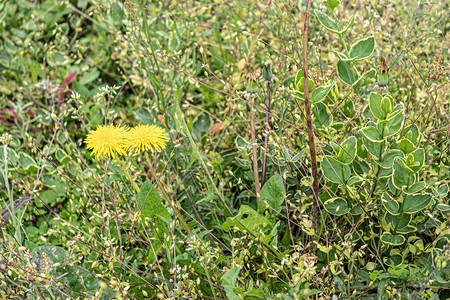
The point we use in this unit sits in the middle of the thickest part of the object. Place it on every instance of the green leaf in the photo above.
(406, 146)
(229, 282)
(348, 151)
(407, 229)
(443, 207)
(419, 160)
(332, 3)
(334, 171)
(395, 121)
(248, 220)
(415, 188)
(375, 106)
(327, 22)
(150, 204)
(395, 240)
(393, 260)
(411, 133)
(391, 220)
(347, 73)
(362, 48)
(300, 82)
(273, 193)
(415, 203)
(390, 156)
(336, 206)
(400, 175)
(321, 92)
(89, 77)
(441, 192)
(391, 205)
(371, 133)
(27, 162)
(322, 115)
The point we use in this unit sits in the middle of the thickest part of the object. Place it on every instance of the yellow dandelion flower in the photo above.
(107, 141)
(146, 137)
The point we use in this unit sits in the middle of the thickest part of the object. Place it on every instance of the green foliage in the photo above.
(77, 227)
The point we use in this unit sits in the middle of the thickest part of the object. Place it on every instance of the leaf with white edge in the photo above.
(416, 203)
(388, 159)
(362, 48)
(390, 239)
(348, 151)
(406, 146)
(347, 73)
(336, 206)
(391, 205)
(407, 229)
(327, 22)
(375, 106)
(442, 191)
(415, 188)
(349, 24)
(334, 171)
(321, 92)
(400, 175)
(419, 160)
(401, 221)
(371, 133)
(443, 207)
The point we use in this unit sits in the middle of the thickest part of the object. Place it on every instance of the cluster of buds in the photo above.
(5, 138)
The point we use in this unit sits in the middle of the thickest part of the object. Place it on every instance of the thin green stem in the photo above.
(172, 203)
(127, 174)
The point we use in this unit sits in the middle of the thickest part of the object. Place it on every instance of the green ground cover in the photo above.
(289, 149)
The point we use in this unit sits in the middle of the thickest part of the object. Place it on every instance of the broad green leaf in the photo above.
(341, 56)
(411, 133)
(300, 83)
(391, 220)
(27, 162)
(393, 260)
(229, 282)
(327, 22)
(415, 188)
(419, 160)
(332, 3)
(375, 106)
(362, 48)
(321, 92)
(391, 205)
(441, 192)
(334, 171)
(348, 151)
(400, 175)
(272, 193)
(395, 240)
(336, 206)
(415, 203)
(443, 207)
(394, 124)
(407, 229)
(151, 204)
(248, 220)
(388, 159)
(89, 77)
(347, 73)
(406, 146)
(322, 115)
(371, 133)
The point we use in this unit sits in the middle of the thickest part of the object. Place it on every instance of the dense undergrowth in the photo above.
(236, 205)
